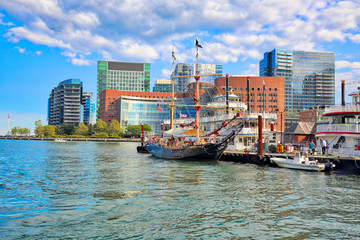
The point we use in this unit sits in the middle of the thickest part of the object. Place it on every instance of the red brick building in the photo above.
(274, 94)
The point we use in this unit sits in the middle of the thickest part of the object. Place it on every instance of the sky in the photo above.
(43, 42)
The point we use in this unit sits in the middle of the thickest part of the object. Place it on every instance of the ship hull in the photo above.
(209, 151)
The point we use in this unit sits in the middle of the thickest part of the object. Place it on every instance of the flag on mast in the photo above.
(173, 54)
(197, 43)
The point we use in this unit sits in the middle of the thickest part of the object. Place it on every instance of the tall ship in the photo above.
(178, 145)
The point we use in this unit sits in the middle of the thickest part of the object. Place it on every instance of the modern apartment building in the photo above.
(163, 86)
(88, 104)
(309, 76)
(189, 69)
(122, 76)
(64, 104)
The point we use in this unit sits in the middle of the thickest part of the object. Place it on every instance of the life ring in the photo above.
(357, 103)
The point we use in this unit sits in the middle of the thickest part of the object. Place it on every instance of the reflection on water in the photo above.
(108, 190)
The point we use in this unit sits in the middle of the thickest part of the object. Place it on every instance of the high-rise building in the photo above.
(163, 86)
(188, 69)
(122, 76)
(89, 108)
(64, 104)
(309, 76)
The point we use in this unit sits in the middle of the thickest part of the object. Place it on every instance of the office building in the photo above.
(133, 108)
(309, 77)
(88, 104)
(122, 76)
(163, 86)
(64, 104)
(265, 95)
(189, 69)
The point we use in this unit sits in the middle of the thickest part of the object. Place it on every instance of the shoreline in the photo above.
(71, 139)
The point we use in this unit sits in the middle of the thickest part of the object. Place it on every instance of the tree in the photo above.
(49, 131)
(65, 129)
(15, 131)
(114, 128)
(82, 129)
(39, 128)
(135, 130)
(24, 131)
(100, 126)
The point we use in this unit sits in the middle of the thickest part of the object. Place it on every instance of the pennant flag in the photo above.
(173, 55)
(159, 108)
(8, 115)
(197, 43)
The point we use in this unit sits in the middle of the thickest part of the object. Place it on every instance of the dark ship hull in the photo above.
(209, 151)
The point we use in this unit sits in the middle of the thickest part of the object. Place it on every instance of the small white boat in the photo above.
(301, 162)
(59, 140)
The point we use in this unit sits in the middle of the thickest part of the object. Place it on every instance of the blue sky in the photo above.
(43, 42)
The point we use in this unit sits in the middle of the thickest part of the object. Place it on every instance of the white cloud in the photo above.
(37, 38)
(21, 50)
(38, 53)
(347, 64)
(355, 38)
(81, 61)
(144, 30)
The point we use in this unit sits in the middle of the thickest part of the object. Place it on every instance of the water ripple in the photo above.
(92, 190)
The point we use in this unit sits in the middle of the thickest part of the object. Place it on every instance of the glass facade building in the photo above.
(64, 104)
(88, 103)
(123, 76)
(188, 69)
(136, 110)
(309, 76)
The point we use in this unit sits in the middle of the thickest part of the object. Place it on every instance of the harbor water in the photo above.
(93, 190)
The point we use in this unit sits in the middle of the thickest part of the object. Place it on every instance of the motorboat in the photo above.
(59, 140)
(301, 161)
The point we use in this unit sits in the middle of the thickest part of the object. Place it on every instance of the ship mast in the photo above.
(196, 98)
(173, 92)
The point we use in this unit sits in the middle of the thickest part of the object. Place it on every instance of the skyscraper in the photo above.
(64, 104)
(123, 76)
(309, 76)
(188, 69)
(89, 108)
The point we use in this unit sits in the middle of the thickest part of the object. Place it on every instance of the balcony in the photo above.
(339, 108)
(338, 127)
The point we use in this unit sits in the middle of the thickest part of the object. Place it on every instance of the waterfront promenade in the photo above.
(72, 139)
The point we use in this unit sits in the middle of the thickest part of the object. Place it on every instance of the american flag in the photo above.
(159, 108)
(183, 115)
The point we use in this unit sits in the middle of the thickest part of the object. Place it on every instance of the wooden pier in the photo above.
(342, 164)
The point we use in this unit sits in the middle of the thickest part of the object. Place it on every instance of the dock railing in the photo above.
(337, 127)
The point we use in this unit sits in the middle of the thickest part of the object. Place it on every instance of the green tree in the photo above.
(82, 129)
(15, 131)
(49, 131)
(24, 131)
(39, 128)
(65, 129)
(100, 126)
(114, 128)
(135, 130)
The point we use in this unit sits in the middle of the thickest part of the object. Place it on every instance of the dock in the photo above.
(342, 164)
